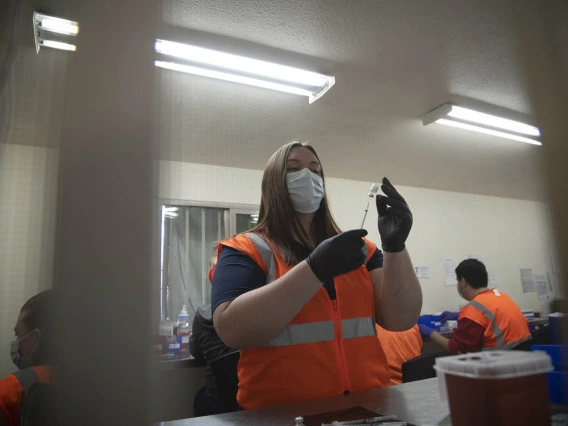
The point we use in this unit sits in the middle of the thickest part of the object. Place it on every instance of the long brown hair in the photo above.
(277, 217)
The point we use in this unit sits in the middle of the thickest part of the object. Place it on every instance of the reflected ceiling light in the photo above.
(58, 45)
(239, 69)
(53, 32)
(464, 118)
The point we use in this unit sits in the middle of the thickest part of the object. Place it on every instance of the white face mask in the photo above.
(460, 291)
(20, 361)
(306, 190)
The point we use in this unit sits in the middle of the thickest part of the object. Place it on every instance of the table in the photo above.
(179, 362)
(430, 346)
(416, 402)
(537, 321)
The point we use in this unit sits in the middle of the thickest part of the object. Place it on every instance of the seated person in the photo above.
(205, 344)
(399, 347)
(490, 321)
(30, 353)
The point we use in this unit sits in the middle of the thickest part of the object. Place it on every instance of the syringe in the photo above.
(372, 192)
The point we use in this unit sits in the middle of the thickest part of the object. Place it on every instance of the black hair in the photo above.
(38, 315)
(473, 272)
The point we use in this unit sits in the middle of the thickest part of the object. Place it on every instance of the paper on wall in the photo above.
(494, 278)
(450, 265)
(541, 287)
(422, 271)
(527, 280)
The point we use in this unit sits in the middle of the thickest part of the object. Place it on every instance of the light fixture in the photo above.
(53, 32)
(239, 69)
(464, 118)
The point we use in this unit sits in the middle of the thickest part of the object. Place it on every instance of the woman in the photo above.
(30, 353)
(305, 323)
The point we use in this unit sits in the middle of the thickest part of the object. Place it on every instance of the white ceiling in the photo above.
(393, 61)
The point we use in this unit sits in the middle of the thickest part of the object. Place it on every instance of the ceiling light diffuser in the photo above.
(468, 119)
(50, 31)
(57, 25)
(58, 45)
(239, 69)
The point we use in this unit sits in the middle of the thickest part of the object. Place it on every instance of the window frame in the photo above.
(232, 209)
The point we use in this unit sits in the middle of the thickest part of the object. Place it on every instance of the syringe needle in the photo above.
(374, 189)
(365, 215)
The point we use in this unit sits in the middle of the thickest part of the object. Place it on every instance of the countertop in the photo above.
(179, 362)
(416, 402)
(532, 322)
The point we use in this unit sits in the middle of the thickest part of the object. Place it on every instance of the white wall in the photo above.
(508, 233)
(28, 189)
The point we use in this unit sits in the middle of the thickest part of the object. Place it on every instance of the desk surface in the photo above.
(532, 322)
(179, 362)
(417, 402)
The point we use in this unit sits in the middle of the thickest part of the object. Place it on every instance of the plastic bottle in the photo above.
(184, 330)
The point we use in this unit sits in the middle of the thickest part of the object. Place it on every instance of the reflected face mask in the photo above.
(20, 361)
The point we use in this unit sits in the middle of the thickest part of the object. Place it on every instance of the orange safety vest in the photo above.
(14, 388)
(399, 347)
(329, 347)
(504, 323)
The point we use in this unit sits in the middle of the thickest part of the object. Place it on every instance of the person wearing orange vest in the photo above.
(30, 353)
(300, 298)
(399, 347)
(490, 321)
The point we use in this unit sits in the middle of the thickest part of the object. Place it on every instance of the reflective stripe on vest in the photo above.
(268, 257)
(358, 327)
(27, 377)
(266, 253)
(323, 331)
(499, 339)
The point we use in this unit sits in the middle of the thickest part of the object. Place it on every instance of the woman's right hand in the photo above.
(338, 255)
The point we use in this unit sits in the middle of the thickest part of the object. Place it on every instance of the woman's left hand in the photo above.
(395, 218)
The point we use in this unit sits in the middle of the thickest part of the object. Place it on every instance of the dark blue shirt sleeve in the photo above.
(236, 273)
(376, 260)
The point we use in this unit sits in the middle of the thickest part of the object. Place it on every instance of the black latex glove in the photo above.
(338, 255)
(395, 218)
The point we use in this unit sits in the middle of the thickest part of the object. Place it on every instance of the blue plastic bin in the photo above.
(425, 319)
(557, 379)
(430, 321)
(557, 326)
(557, 353)
(558, 387)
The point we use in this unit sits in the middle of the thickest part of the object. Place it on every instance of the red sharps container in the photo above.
(496, 388)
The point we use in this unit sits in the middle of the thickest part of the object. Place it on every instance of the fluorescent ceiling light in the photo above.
(239, 69)
(53, 32)
(487, 131)
(58, 45)
(57, 25)
(493, 121)
(232, 77)
(464, 118)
